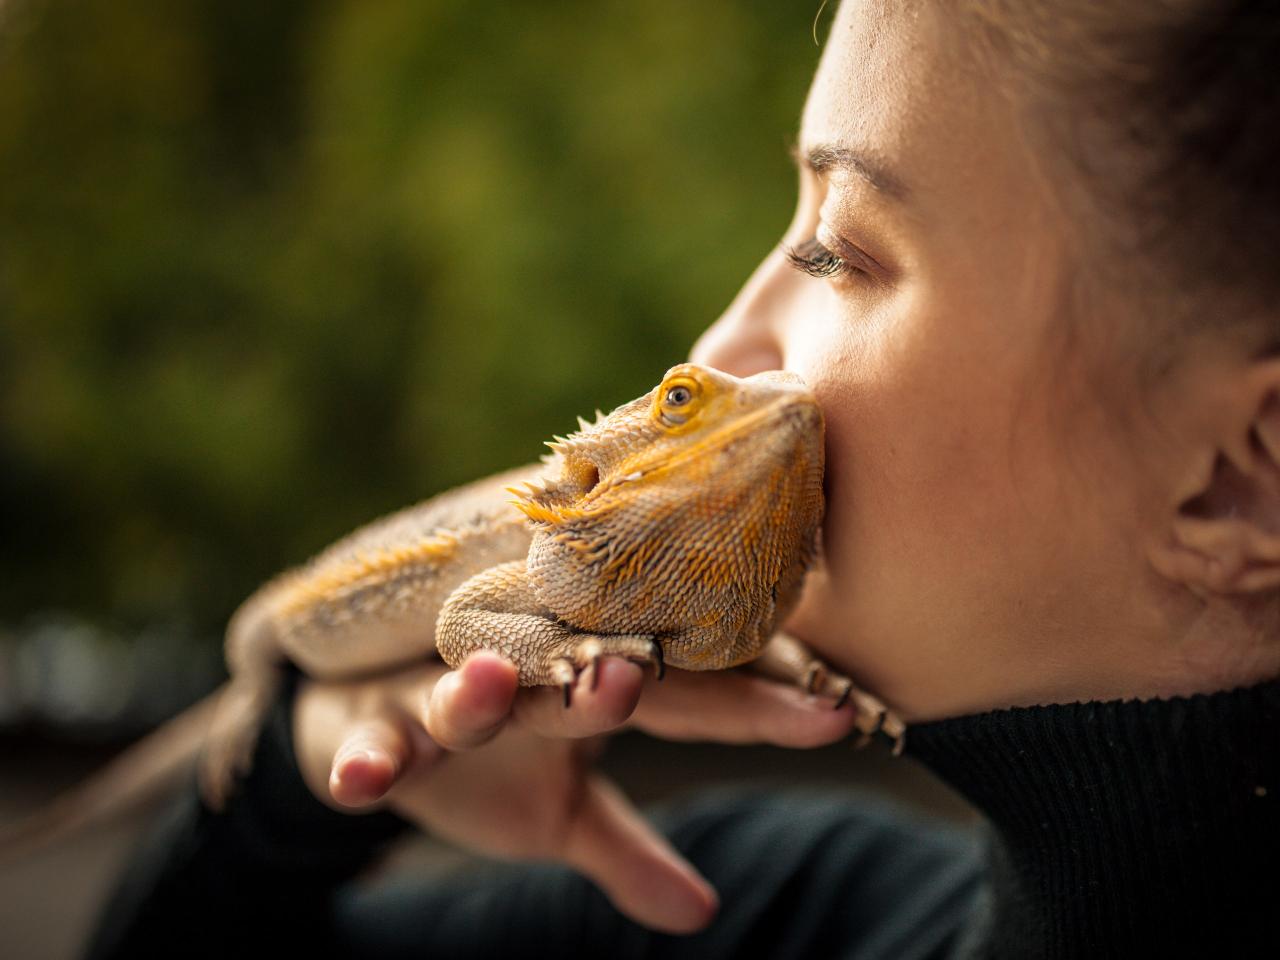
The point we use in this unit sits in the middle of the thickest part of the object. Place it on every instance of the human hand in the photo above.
(505, 771)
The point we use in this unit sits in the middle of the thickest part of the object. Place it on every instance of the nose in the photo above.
(745, 339)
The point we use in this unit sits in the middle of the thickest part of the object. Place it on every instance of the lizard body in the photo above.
(677, 530)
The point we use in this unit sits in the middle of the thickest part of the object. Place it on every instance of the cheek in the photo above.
(937, 469)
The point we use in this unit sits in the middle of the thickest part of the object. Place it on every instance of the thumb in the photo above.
(639, 871)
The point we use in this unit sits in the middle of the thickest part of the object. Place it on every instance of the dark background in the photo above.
(268, 270)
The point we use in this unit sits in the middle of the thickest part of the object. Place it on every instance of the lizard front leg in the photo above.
(786, 658)
(497, 610)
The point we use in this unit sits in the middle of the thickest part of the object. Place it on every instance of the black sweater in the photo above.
(1126, 829)
(1113, 830)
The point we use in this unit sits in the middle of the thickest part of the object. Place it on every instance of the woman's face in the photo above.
(986, 514)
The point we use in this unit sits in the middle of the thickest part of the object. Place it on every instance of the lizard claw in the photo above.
(844, 694)
(584, 654)
(816, 677)
(563, 673)
(886, 722)
(874, 718)
(892, 727)
(659, 664)
(882, 717)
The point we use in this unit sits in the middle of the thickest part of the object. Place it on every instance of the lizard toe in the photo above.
(816, 678)
(845, 694)
(563, 673)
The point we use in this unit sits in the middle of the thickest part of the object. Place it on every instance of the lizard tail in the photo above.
(143, 771)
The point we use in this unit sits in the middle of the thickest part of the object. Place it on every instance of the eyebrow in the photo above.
(824, 157)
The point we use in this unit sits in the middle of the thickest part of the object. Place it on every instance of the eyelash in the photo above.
(813, 258)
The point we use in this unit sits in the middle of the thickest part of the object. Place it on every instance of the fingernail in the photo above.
(447, 685)
(802, 700)
(368, 754)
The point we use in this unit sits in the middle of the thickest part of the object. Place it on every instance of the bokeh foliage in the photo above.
(268, 270)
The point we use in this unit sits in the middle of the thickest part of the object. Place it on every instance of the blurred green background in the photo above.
(268, 270)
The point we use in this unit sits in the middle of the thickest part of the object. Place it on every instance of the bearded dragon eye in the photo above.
(679, 396)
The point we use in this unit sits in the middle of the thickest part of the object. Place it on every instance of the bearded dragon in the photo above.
(676, 530)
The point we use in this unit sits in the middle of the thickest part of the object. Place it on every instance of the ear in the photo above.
(1223, 537)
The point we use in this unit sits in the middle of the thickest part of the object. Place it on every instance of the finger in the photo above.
(639, 871)
(733, 707)
(468, 706)
(600, 703)
(368, 761)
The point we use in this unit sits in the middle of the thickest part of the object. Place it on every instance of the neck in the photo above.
(1120, 827)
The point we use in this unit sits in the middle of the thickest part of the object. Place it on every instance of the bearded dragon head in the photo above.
(709, 485)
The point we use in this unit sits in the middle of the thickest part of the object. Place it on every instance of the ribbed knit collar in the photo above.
(1125, 828)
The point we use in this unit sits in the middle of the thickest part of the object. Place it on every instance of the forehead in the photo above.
(893, 84)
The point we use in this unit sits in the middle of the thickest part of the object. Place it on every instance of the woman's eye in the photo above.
(816, 260)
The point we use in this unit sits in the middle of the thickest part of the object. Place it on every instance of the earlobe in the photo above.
(1224, 539)
(1222, 555)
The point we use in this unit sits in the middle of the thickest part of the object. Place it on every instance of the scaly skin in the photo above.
(678, 528)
